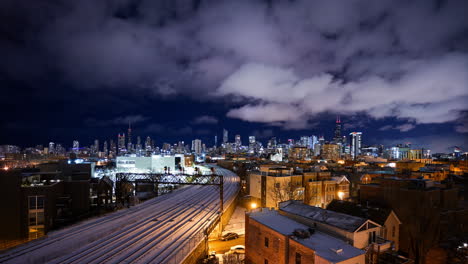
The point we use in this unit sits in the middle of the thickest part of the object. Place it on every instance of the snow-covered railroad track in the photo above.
(116, 242)
(152, 232)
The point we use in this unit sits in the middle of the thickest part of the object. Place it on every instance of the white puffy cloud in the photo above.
(432, 90)
(403, 59)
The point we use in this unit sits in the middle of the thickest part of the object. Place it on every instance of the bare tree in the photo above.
(423, 228)
(284, 192)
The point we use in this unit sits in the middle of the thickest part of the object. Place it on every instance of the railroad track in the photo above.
(150, 232)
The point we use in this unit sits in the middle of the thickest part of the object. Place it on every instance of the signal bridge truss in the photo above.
(166, 178)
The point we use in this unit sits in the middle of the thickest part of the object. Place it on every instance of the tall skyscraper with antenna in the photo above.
(337, 139)
(129, 135)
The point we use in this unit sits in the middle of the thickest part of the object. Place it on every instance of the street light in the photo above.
(340, 195)
(253, 205)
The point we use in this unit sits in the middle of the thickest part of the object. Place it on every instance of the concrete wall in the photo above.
(201, 251)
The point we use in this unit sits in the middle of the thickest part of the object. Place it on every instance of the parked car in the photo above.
(240, 249)
(229, 236)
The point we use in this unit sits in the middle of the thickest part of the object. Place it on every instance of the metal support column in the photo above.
(221, 194)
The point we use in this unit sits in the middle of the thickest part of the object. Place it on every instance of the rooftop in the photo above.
(342, 221)
(376, 214)
(325, 246)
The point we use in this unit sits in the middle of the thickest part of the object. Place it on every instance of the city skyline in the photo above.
(234, 131)
(262, 136)
(258, 70)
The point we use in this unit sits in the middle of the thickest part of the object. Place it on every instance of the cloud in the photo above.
(205, 119)
(117, 121)
(462, 124)
(263, 133)
(403, 59)
(436, 143)
(160, 129)
(427, 91)
(403, 128)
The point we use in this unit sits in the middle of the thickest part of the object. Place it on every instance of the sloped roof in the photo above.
(343, 221)
(378, 215)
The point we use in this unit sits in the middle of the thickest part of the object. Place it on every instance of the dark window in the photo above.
(32, 202)
(266, 242)
(393, 231)
(40, 202)
(298, 258)
(266, 261)
(36, 202)
(371, 237)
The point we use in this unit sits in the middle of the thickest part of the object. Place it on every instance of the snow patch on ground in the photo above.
(237, 222)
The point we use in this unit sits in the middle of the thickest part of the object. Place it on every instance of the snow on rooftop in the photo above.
(325, 246)
(342, 221)
(330, 248)
(275, 221)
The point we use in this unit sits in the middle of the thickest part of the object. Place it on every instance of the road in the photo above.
(222, 247)
(165, 229)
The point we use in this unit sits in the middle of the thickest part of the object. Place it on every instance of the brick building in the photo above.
(272, 238)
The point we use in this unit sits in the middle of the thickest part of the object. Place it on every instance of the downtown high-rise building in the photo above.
(356, 142)
(197, 146)
(238, 141)
(148, 146)
(96, 146)
(51, 147)
(105, 148)
(76, 146)
(225, 136)
(121, 144)
(129, 136)
(272, 143)
(138, 146)
(337, 138)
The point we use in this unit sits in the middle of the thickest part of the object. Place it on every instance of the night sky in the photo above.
(185, 69)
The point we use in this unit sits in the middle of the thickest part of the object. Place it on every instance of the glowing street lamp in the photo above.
(253, 205)
(341, 195)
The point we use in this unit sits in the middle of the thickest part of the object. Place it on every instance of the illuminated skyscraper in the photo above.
(129, 140)
(272, 143)
(337, 138)
(96, 146)
(238, 141)
(148, 144)
(356, 141)
(121, 144)
(51, 147)
(105, 149)
(76, 146)
(138, 146)
(197, 146)
(225, 136)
